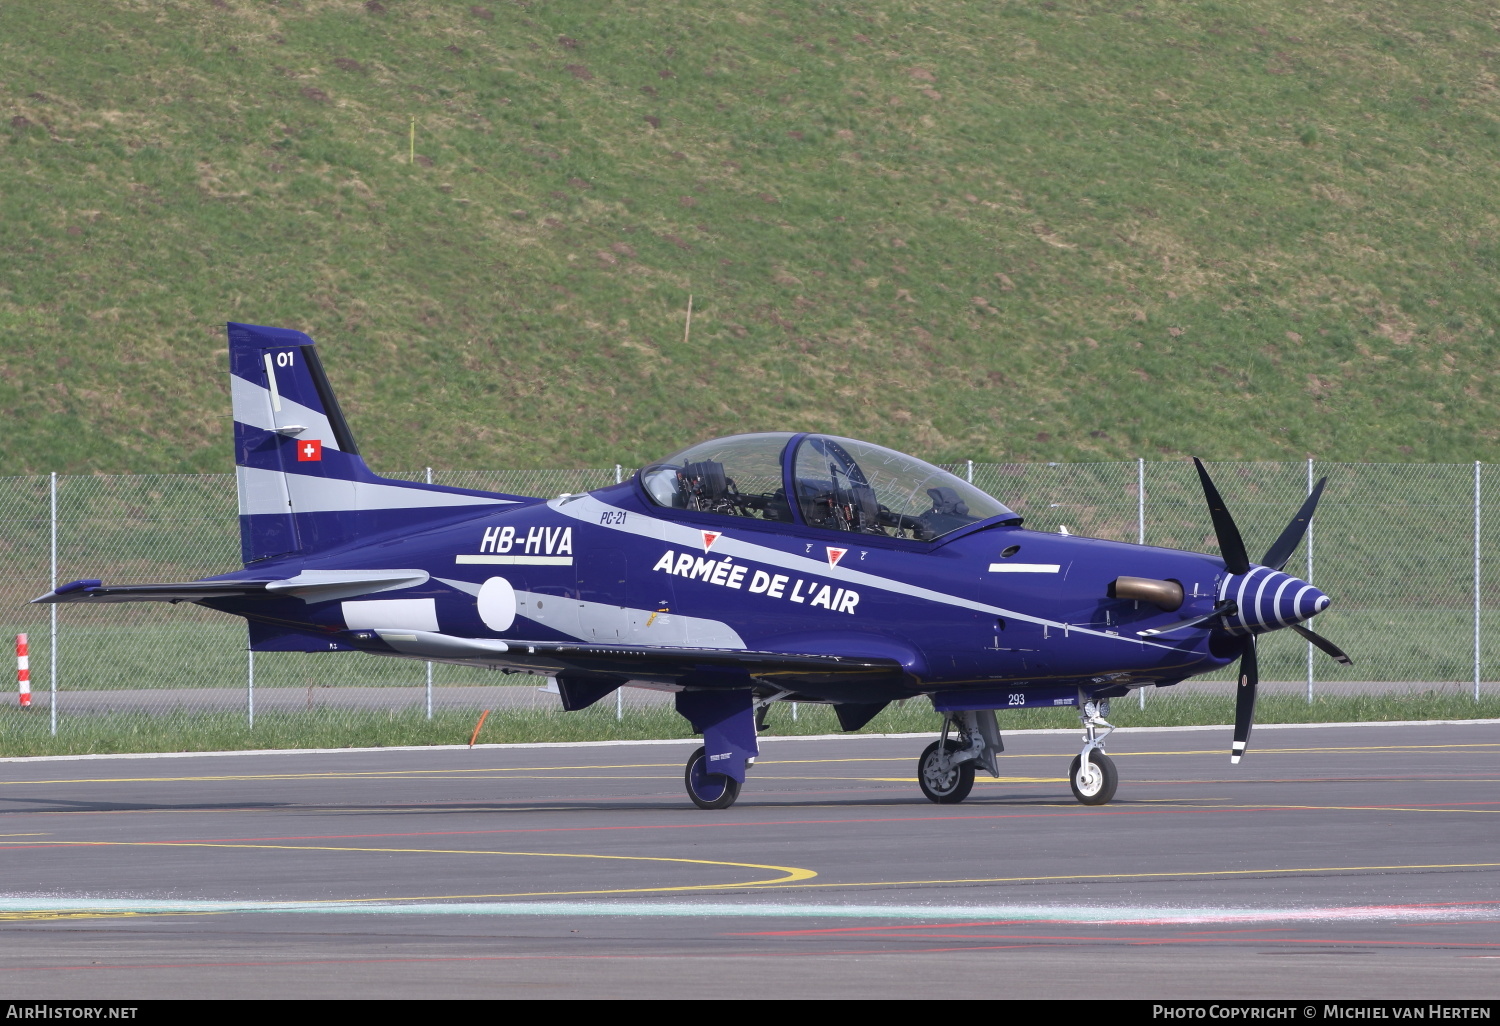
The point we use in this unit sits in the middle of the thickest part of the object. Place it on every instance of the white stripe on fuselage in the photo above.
(590, 510)
(260, 491)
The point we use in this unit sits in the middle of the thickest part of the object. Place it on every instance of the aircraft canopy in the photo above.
(839, 484)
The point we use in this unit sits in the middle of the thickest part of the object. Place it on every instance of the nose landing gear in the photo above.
(1092, 774)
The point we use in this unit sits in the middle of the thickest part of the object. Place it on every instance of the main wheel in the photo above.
(1096, 786)
(940, 780)
(708, 790)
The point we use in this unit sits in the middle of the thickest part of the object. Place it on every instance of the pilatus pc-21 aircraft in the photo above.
(736, 573)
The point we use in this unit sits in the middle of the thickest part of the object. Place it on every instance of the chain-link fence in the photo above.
(1405, 550)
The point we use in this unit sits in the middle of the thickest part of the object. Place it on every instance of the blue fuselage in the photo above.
(989, 605)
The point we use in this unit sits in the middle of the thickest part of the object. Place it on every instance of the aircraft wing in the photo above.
(684, 666)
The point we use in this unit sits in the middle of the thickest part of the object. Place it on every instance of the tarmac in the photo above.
(1345, 861)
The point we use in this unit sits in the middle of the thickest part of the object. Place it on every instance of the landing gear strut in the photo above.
(945, 772)
(1092, 774)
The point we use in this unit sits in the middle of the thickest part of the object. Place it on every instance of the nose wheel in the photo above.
(1092, 774)
(1093, 782)
(710, 790)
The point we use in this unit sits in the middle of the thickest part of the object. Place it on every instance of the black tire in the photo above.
(708, 790)
(1099, 787)
(944, 788)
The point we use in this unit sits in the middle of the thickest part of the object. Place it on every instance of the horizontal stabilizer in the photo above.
(96, 592)
(310, 586)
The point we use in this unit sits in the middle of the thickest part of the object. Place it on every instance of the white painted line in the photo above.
(514, 560)
(699, 741)
(1117, 915)
(1025, 568)
(271, 379)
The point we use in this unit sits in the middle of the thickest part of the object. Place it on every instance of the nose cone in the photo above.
(1269, 599)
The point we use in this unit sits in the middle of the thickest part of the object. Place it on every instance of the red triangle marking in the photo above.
(709, 537)
(834, 555)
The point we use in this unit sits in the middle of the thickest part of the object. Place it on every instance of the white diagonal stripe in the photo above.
(589, 510)
(252, 407)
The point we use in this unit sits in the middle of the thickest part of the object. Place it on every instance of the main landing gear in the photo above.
(709, 790)
(945, 772)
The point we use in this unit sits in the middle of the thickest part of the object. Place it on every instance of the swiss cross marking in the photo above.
(309, 450)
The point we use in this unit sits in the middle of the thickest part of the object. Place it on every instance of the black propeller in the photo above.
(1323, 643)
(1281, 551)
(1227, 608)
(1236, 561)
(1244, 698)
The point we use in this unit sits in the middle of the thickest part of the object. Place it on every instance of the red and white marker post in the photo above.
(23, 671)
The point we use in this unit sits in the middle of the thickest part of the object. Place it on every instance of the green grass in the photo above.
(23, 733)
(1061, 229)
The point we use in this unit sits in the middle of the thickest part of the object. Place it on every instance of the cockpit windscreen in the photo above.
(846, 485)
(840, 485)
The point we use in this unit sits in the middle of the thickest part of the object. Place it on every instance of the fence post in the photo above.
(1140, 500)
(619, 704)
(971, 471)
(250, 687)
(429, 664)
(618, 475)
(52, 611)
(1140, 526)
(1309, 580)
(1477, 607)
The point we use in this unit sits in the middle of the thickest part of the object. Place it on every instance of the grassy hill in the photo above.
(1056, 230)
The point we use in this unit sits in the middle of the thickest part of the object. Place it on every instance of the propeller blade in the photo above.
(1279, 553)
(1323, 643)
(1236, 560)
(1244, 699)
(1227, 608)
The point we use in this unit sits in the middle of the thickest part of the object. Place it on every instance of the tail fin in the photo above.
(303, 486)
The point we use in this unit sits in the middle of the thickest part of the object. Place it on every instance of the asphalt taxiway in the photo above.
(1336, 861)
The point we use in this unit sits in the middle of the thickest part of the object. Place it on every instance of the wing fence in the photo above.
(1405, 550)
